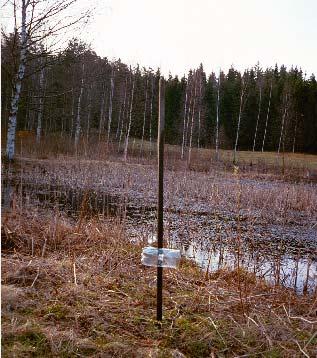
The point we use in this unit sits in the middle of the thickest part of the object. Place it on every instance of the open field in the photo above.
(59, 145)
(73, 228)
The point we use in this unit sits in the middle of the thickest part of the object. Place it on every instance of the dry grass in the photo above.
(78, 289)
(263, 198)
(287, 165)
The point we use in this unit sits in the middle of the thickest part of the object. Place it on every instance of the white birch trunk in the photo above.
(89, 113)
(192, 121)
(199, 112)
(110, 104)
(239, 121)
(257, 120)
(12, 123)
(144, 116)
(184, 124)
(78, 124)
(72, 114)
(129, 127)
(190, 110)
(267, 116)
(151, 114)
(294, 139)
(123, 112)
(41, 105)
(217, 118)
(282, 125)
(101, 119)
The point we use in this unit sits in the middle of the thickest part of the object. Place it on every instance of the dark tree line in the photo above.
(79, 93)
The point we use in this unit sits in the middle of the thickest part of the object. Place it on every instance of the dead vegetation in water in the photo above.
(78, 289)
(269, 201)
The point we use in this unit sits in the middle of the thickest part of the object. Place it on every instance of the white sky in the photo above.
(180, 34)
(177, 35)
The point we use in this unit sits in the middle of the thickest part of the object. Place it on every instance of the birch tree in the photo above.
(199, 106)
(40, 22)
(184, 122)
(110, 102)
(41, 103)
(12, 123)
(192, 118)
(144, 114)
(242, 98)
(151, 113)
(217, 118)
(130, 121)
(267, 115)
(78, 123)
(258, 117)
(283, 121)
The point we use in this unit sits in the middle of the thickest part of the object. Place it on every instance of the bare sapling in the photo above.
(41, 102)
(217, 118)
(89, 113)
(192, 119)
(110, 103)
(144, 116)
(151, 114)
(283, 122)
(243, 91)
(184, 121)
(122, 114)
(199, 111)
(78, 117)
(267, 115)
(130, 121)
(258, 117)
(102, 109)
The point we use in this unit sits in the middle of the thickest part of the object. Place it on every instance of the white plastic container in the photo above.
(152, 256)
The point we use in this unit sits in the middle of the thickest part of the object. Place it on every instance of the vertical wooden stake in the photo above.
(160, 143)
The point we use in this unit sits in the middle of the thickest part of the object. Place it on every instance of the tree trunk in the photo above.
(184, 124)
(238, 127)
(129, 127)
(192, 121)
(41, 104)
(257, 120)
(267, 116)
(282, 125)
(101, 119)
(190, 110)
(110, 104)
(294, 139)
(199, 113)
(78, 124)
(123, 112)
(12, 123)
(217, 119)
(144, 117)
(151, 114)
(89, 113)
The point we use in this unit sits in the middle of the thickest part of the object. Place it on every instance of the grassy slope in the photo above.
(55, 145)
(83, 292)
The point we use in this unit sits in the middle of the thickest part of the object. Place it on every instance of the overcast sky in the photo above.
(177, 35)
(180, 34)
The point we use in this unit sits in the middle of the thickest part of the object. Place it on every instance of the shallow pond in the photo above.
(282, 255)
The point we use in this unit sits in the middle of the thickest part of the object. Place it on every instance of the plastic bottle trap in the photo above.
(153, 256)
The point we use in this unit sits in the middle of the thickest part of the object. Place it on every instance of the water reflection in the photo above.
(213, 241)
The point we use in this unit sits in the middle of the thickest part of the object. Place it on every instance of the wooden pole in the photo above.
(160, 143)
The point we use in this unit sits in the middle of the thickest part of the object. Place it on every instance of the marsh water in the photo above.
(283, 255)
